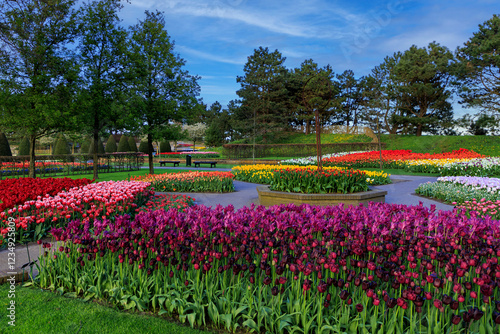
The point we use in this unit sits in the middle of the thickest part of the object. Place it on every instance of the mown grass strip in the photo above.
(40, 311)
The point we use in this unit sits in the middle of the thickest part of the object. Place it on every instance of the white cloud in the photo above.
(271, 23)
(212, 57)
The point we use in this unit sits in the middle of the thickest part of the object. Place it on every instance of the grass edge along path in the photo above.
(41, 311)
(121, 176)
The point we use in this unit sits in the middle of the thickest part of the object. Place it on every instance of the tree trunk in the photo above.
(308, 127)
(318, 141)
(31, 169)
(419, 130)
(379, 144)
(95, 158)
(150, 154)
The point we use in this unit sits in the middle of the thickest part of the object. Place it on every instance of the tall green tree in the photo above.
(207, 115)
(480, 71)
(37, 74)
(101, 48)
(263, 93)
(381, 106)
(163, 92)
(424, 91)
(309, 85)
(218, 123)
(318, 93)
(351, 98)
(220, 130)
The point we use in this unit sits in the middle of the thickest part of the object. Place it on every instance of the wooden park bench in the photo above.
(212, 163)
(164, 162)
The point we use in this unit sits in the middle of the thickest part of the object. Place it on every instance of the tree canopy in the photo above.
(479, 74)
(162, 91)
(263, 94)
(101, 48)
(37, 70)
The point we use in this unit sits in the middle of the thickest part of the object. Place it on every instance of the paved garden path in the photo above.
(399, 192)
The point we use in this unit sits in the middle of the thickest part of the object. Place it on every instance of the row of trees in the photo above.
(409, 92)
(74, 68)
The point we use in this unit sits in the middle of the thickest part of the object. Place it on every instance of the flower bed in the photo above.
(471, 194)
(190, 181)
(263, 174)
(381, 268)
(313, 159)
(395, 158)
(35, 217)
(45, 167)
(17, 191)
(166, 202)
(319, 182)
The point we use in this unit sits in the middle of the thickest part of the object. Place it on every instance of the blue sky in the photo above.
(215, 37)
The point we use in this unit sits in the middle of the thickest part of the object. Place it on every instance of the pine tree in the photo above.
(132, 144)
(62, 146)
(24, 146)
(4, 146)
(263, 95)
(111, 145)
(123, 144)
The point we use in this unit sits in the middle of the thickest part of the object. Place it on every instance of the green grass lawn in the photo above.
(127, 174)
(117, 176)
(399, 172)
(39, 311)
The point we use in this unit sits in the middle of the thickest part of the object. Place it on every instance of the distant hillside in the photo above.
(488, 145)
(300, 138)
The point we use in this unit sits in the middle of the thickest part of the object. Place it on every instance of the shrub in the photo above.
(111, 145)
(132, 144)
(100, 147)
(85, 147)
(165, 147)
(143, 146)
(24, 147)
(4, 146)
(61, 145)
(123, 144)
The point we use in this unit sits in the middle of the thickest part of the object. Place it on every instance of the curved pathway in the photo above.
(401, 191)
